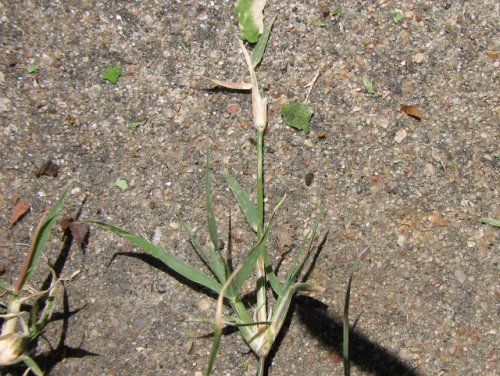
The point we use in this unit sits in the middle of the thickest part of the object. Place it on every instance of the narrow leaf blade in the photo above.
(230, 85)
(243, 199)
(177, 265)
(250, 260)
(212, 224)
(345, 344)
(214, 350)
(260, 48)
(491, 221)
(248, 264)
(40, 238)
(304, 252)
(219, 322)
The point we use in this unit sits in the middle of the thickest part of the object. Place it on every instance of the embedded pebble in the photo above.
(460, 275)
(400, 136)
(94, 91)
(5, 104)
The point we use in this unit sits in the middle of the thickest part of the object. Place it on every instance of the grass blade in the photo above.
(213, 260)
(218, 323)
(212, 224)
(271, 277)
(243, 199)
(251, 259)
(31, 364)
(230, 85)
(216, 261)
(490, 221)
(249, 262)
(40, 237)
(304, 251)
(345, 342)
(178, 266)
(261, 45)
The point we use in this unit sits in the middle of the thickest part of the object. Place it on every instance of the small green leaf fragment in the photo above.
(320, 23)
(398, 16)
(250, 18)
(133, 125)
(297, 115)
(316, 22)
(184, 46)
(122, 184)
(491, 221)
(336, 10)
(32, 68)
(368, 85)
(112, 74)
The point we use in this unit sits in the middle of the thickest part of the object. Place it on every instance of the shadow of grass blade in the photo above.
(40, 237)
(243, 199)
(194, 242)
(345, 342)
(178, 266)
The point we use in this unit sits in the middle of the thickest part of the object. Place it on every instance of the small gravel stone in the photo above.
(94, 91)
(400, 136)
(233, 108)
(401, 240)
(460, 275)
(418, 58)
(5, 105)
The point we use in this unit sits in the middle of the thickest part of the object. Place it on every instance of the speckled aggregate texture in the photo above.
(403, 197)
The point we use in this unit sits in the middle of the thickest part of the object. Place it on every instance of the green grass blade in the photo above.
(260, 47)
(243, 199)
(212, 224)
(345, 342)
(219, 322)
(283, 304)
(214, 350)
(40, 237)
(271, 277)
(178, 266)
(5, 286)
(250, 260)
(304, 252)
(491, 221)
(213, 260)
(31, 364)
(231, 321)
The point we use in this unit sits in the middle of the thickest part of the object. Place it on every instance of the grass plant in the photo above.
(258, 327)
(22, 327)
